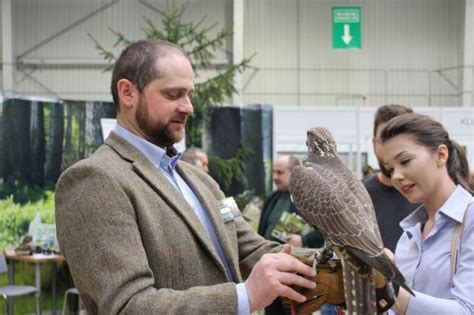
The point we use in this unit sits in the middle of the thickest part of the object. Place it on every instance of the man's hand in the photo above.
(274, 275)
(294, 240)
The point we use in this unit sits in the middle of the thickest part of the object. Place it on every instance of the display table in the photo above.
(37, 260)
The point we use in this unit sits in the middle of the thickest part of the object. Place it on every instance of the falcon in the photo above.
(329, 196)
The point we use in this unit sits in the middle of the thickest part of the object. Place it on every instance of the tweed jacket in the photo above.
(135, 246)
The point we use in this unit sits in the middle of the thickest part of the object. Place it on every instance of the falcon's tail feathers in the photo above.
(358, 289)
(384, 265)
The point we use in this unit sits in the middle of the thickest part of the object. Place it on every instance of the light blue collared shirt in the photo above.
(167, 166)
(426, 263)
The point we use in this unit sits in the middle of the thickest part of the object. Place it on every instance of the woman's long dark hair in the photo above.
(431, 134)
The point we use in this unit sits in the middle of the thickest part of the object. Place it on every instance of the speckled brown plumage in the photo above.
(329, 196)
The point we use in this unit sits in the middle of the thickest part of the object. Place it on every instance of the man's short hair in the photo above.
(386, 112)
(138, 64)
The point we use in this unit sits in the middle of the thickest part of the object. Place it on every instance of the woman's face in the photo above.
(416, 171)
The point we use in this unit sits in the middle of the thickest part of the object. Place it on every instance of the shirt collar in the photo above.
(456, 204)
(454, 208)
(153, 152)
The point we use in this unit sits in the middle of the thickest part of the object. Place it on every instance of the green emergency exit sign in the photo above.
(346, 32)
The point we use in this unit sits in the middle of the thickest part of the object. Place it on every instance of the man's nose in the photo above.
(186, 106)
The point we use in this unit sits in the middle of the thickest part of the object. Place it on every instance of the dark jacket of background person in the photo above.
(390, 208)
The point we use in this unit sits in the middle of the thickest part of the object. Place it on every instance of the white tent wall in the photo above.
(352, 127)
(412, 50)
(56, 56)
(404, 44)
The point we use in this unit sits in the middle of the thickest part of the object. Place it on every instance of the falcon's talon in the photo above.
(323, 255)
(332, 264)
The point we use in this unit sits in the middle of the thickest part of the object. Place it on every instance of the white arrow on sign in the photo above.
(347, 34)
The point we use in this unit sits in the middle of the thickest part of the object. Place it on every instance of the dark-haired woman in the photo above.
(428, 168)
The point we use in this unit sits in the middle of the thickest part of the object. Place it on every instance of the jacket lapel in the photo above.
(210, 206)
(155, 179)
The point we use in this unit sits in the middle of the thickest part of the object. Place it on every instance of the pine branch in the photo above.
(220, 87)
(108, 55)
(121, 39)
(152, 32)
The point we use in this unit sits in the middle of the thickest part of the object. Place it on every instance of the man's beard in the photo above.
(383, 170)
(158, 133)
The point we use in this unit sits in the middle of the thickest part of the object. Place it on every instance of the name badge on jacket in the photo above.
(229, 209)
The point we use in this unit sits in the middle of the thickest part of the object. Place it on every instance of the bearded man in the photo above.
(144, 233)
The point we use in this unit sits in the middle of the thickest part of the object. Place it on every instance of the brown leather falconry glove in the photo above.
(329, 287)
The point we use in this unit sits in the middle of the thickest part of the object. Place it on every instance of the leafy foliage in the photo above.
(227, 170)
(15, 218)
(244, 198)
(22, 193)
(201, 44)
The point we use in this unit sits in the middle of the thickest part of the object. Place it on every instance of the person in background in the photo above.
(196, 157)
(427, 167)
(143, 232)
(277, 205)
(367, 170)
(390, 206)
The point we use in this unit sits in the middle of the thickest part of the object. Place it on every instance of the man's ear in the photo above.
(442, 155)
(127, 93)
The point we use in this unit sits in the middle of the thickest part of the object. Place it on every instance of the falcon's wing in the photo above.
(326, 201)
(358, 189)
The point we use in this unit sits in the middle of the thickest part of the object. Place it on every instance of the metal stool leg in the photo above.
(9, 303)
(38, 304)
